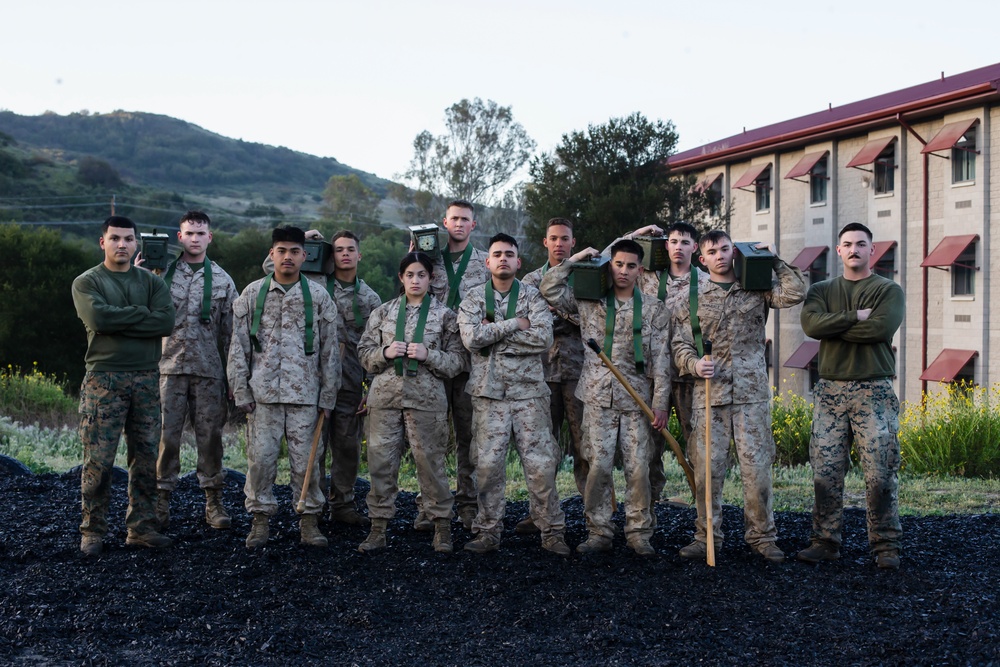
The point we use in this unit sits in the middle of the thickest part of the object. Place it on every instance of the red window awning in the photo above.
(949, 249)
(810, 254)
(870, 152)
(707, 181)
(947, 365)
(948, 136)
(806, 164)
(803, 354)
(881, 247)
(750, 176)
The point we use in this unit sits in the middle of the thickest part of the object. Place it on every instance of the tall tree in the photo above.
(609, 180)
(347, 198)
(477, 156)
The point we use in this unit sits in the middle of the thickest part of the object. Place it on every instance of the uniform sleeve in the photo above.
(474, 332)
(556, 291)
(660, 350)
(240, 351)
(329, 348)
(449, 361)
(439, 279)
(161, 318)
(682, 342)
(99, 315)
(882, 322)
(226, 325)
(370, 345)
(817, 320)
(537, 338)
(789, 289)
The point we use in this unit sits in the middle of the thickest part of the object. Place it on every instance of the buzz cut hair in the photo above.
(627, 245)
(713, 237)
(119, 221)
(503, 238)
(347, 234)
(855, 227)
(565, 222)
(199, 217)
(462, 203)
(288, 234)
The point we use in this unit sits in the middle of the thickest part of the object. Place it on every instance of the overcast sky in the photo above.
(357, 81)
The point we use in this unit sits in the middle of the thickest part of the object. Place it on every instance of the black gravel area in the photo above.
(208, 601)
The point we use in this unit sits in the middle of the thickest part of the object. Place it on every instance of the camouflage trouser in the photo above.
(205, 400)
(528, 422)
(749, 424)
(268, 422)
(460, 404)
(681, 394)
(868, 410)
(563, 404)
(604, 430)
(389, 431)
(343, 443)
(109, 403)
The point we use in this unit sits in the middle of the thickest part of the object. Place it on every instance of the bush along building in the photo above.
(916, 166)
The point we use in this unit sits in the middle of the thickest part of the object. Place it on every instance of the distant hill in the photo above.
(172, 154)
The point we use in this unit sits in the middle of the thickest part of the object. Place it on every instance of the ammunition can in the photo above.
(318, 254)
(590, 278)
(426, 239)
(655, 256)
(155, 251)
(753, 267)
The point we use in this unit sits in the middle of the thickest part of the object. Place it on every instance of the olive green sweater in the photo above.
(126, 315)
(850, 349)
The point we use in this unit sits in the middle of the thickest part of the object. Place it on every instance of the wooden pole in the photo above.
(301, 506)
(710, 531)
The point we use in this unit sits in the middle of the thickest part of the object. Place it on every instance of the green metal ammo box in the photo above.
(318, 254)
(753, 266)
(155, 251)
(590, 278)
(655, 256)
(426, 239)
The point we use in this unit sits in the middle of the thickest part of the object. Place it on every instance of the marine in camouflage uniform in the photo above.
(611, 417)
(459, 401)
(410, 409)
(193, 382)
(562, 364)
(286, 384)
(733, 319)
(855, 316)
(125, 311)
(510, 401)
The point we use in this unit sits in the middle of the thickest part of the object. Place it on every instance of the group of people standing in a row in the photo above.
(505, 357)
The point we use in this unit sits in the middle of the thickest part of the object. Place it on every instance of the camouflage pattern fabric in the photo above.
(749, 424)
(348, 334)
(680, 401)
(527, 423)
(205, 400)
(475, 274)
(111, 402)
(866, 411)
(564, 405)
(268, 423)
(426, 431)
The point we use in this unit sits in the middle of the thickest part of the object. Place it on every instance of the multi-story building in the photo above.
(915, 166)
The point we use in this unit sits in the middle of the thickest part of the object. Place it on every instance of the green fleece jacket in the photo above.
(126, 315)
(850, 349)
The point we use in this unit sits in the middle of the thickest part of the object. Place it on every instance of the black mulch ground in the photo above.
(207, 600)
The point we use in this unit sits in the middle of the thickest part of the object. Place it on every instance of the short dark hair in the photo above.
(196, 216)
(627, 245)
(462, 203)
(855, 227)
(346, 234)
(118, 221)
(713, 237)
(502, 238)
(416, 257)
(288, 234)
(565, 222)
(682, 227)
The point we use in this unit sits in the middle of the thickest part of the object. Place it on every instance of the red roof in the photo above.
(948, 136)
(750, 176)
(947, 365)
(870, 152)
(803, 355)
(853, 117)
(806, 164)
(948, 250)
(809, 254)
(881, 247)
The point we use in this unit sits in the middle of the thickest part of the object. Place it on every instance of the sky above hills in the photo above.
(358, 81)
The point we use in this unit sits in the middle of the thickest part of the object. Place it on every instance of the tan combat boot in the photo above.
(309, 531)
(163, 508)
(376, 537)
(259, 531)
(216, 515)
(442, 536)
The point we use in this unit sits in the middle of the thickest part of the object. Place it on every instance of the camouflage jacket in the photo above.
(511, 369)
(349, 333)
(678, 297)
(563, 362)
(282, 372)
(475, 274)
(597, 385)
(734, 321)
(195, 347)
(446, 358)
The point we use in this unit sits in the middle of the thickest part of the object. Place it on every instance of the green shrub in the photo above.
(34, 397)
(791, 425)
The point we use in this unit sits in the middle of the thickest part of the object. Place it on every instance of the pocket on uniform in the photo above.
(95, 386)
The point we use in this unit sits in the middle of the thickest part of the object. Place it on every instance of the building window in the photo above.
(817, 183)
(963, 273)
(885, 170)
(818, 269)
(715, 198)
(886, 265)
(963, 158)
(762, 186)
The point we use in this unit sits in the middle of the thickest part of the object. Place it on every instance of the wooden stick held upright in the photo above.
(301, 506)
(710, 531)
